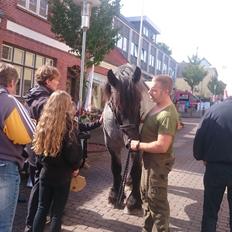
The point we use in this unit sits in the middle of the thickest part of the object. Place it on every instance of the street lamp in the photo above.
(85, 19)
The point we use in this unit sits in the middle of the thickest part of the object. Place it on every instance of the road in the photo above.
(89, 210)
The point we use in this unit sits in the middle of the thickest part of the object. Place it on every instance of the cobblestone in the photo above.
(89, 210)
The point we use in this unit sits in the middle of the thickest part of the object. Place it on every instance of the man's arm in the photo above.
(18, 126)
(161, 145)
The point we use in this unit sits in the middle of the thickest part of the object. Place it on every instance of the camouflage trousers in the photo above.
(154, 184)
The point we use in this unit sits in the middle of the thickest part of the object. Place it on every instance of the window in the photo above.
(158, 65)
(22, 3)
(144, 55)
(124, 46)
(119, 43)
(43, 8)
(152, 60)
(18, 56)
(134, 49)
(25, 63)
(33, 5)
(165, 68)
(145, 31)
(39, 7)
(7, 53)
(122, 43)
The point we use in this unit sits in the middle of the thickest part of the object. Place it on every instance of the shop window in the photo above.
(49, 62)
(29, 59)
(18, 56)
(26, 64)
(28, 77)
(40, 60)
(20, 73)
(7, 53)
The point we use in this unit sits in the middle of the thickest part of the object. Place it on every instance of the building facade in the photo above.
(143, 50)
(26, 41)
(201, 90)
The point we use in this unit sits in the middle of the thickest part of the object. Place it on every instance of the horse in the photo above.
(121, 121)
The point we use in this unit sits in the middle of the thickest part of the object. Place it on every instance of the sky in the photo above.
(190, 26)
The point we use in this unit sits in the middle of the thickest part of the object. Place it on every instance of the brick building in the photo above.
(26, 41)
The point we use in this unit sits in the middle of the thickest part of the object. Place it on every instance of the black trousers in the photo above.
(217, 178)
(33, 201)
(55, 194)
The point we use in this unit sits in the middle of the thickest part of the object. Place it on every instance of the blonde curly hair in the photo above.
(56, 120)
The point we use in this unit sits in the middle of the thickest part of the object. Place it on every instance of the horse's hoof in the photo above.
(119, 206)
(111, 200)
(113, 197)
(136, 212)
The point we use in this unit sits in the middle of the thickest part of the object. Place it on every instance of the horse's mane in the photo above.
(126, 96)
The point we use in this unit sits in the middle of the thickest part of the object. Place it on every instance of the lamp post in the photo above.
(85, 19)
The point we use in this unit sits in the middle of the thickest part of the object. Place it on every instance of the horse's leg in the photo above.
(116, 168)
(134, 201)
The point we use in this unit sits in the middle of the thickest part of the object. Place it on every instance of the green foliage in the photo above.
(163, 47)
(65, 21)
(193, 72)
(216, 87)
(194, 60)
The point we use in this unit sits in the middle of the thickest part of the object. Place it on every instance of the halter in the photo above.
(123, 127)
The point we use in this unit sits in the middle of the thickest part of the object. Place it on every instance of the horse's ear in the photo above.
(112, 79)
(136, 75)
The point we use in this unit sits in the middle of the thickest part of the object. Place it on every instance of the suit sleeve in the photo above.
(18, 126)
(198, 143)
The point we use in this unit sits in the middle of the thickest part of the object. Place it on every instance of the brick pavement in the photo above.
(88, 210)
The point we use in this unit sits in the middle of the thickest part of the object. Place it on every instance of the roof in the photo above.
(146, 19)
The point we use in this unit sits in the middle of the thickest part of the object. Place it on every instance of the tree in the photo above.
(65, 18)
(163, 47)
(193, 72)
(216, 87)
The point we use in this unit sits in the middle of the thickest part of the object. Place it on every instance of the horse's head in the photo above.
(124, 96)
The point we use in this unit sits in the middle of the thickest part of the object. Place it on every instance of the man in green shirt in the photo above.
(156, 143)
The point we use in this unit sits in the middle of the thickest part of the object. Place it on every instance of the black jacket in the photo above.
(213, 140)
(59, 169)
(35, 100)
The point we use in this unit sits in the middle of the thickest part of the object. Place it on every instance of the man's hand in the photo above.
(134, 145)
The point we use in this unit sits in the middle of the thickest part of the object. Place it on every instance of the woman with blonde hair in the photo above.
(58, 147)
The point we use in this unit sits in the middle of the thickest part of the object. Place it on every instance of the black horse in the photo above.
(121, 120)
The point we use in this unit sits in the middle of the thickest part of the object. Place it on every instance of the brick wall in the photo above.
(23, 17)
(63, 59)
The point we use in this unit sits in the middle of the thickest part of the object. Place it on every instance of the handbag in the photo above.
(77, 183)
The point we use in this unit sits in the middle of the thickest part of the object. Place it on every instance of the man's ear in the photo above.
(114, 82)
